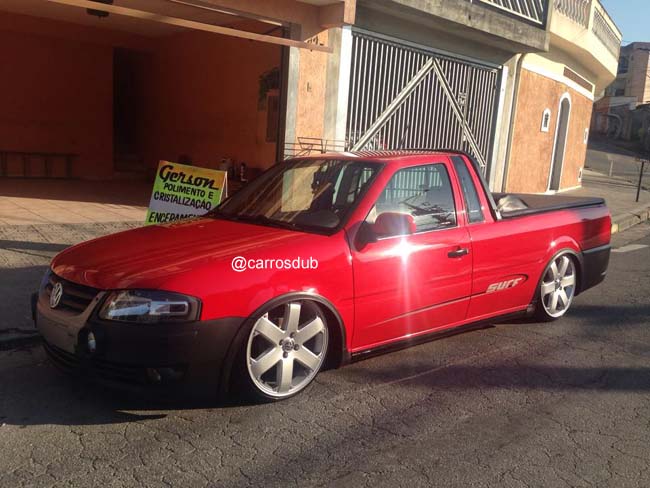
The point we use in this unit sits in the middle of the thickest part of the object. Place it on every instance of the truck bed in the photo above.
(522, 204)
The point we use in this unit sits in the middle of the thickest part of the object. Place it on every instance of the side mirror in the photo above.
(390, 224)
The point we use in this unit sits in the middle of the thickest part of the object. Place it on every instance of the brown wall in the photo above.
(532, 149)
(576, 149)
(200, 98)
(56, 96)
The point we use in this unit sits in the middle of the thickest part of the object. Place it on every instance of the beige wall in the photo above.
(532, 149)
(597, 63)
(312, 77)
(311, 18)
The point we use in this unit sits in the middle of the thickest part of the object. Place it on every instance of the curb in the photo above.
(14, 341)
(629, 219)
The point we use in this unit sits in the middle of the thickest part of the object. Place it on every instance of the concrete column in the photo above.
(290, 76)
(337, 84)
(505, 124)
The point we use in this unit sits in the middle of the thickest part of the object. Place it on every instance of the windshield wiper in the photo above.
(264, 220)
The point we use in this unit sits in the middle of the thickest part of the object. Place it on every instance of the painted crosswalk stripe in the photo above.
(630, 247)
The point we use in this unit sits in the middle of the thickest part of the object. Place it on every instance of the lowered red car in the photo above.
(317, 262)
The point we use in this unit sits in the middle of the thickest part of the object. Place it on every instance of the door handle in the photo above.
(460, 252)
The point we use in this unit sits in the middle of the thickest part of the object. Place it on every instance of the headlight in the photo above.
(149, 307)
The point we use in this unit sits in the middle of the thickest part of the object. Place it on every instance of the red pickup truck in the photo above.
(318, 261)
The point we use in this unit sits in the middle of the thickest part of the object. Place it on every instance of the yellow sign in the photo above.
(182, 191)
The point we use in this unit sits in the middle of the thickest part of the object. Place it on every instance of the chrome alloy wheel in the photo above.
(286, 348)
(558, 286)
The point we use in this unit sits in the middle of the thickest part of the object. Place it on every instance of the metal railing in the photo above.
(531, 10)
(306, 146)
(578, 11)
(606, 34)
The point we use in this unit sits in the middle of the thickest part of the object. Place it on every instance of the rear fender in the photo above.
(569, 247)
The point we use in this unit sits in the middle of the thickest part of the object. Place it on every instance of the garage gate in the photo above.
(404, 96)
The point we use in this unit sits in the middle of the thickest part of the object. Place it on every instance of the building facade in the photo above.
(555, 96)
(623, 111)
(512, 83)
(214, 81)
(633, 76)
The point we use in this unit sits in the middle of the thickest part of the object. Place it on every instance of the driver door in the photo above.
(410, 284)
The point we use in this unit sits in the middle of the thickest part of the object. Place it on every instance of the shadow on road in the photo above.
(16, 287)
(609, 316)
(616, 147)
(39, 394)
(36, 393)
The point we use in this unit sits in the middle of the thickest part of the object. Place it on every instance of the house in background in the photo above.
(633, 78)
(511, 82)
(623, 111)
(555, 96)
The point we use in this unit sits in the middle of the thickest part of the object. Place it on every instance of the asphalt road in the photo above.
(516, 405)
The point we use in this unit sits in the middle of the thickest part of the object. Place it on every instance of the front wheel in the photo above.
(557, 288)
(286, 348)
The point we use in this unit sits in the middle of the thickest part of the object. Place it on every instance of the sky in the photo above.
(632, 17)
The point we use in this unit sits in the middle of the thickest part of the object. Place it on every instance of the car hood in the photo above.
(148, 256)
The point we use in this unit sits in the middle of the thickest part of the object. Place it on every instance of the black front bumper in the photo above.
(179, 357)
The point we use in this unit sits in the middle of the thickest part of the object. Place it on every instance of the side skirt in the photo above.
(435, 335)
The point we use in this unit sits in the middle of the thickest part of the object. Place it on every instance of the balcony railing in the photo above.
(606, 34)
(531, 10)
(576, 10)
(591, 14)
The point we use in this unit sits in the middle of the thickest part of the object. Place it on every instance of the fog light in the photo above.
(92, 343)
(153, 375)
(164, 375)
(170, 374)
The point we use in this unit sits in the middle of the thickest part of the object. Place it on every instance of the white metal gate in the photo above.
(403, 96)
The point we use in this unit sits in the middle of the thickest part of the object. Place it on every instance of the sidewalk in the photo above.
(41, 201)
(620, 195)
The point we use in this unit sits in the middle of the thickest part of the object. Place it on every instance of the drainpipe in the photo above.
(513, 114)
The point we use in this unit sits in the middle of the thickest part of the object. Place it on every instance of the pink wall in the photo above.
(197, 94)
(56, 96)
(199, 97)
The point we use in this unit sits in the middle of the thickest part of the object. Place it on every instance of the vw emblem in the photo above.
(55, 296)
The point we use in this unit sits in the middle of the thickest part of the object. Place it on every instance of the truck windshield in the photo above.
(303, 194)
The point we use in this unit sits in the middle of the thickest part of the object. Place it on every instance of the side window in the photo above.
(424, 192)
(472, 202)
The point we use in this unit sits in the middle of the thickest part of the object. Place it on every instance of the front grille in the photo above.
(74, 363)
(75, 298)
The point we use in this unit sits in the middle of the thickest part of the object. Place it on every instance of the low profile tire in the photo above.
(285, 349)
(557, 288)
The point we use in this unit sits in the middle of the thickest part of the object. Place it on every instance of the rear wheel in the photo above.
(557, 288)
(286, 348)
